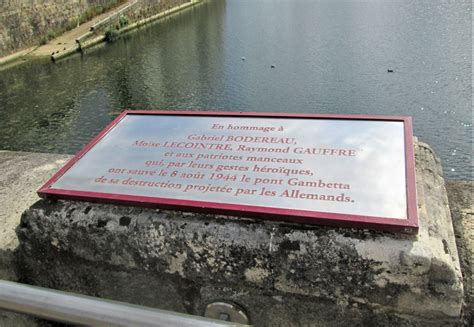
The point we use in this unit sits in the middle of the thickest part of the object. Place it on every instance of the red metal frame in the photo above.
(408, 225)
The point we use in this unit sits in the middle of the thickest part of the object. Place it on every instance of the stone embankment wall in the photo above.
(147, 8)
(136, 12)
(26, 23)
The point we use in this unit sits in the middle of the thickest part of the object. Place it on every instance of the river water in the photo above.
(329, 56)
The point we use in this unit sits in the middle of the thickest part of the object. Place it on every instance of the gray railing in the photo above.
(86, 310)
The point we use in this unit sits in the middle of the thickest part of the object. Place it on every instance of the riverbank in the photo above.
(122, 19)
(66, 42)
(25, 24)
(22, 173)
(91, 38)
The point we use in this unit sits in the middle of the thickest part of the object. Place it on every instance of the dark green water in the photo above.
(330, 56)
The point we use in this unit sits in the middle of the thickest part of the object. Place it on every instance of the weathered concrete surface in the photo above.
(461, 196)
(282, 274)
(21, 175)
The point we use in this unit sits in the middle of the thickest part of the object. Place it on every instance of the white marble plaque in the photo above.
(347, 167)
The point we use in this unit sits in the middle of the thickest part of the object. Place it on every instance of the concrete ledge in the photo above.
(160, 15)
(69, 51)
(15, 56)
(21, 175)
(282, 274)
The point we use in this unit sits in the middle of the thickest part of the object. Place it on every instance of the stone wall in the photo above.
(151, 7)
(139, 11)
(26, 23)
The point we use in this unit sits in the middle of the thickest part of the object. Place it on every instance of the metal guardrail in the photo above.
(86, 310)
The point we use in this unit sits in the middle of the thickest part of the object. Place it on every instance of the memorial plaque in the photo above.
(353, 171)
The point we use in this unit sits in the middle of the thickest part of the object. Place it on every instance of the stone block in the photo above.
(461, 203)
(282, 274)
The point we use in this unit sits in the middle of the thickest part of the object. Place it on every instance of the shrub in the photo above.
(43, 40)
(123, 20)
(51, 35)
(111, 35)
